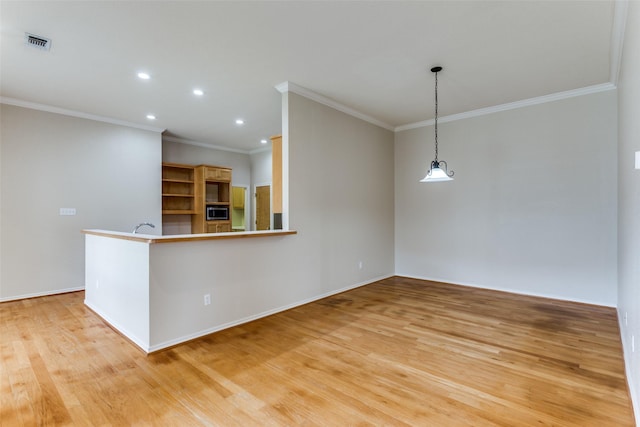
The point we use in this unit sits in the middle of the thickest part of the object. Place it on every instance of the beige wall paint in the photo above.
(110, 174)
(340, 193)
(629, 201)
(532, 208)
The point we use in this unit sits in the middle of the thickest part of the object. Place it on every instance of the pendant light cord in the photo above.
(436, 119)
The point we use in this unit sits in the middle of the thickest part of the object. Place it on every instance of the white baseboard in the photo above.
(42, 294)
(511, 291)
(626, 354)
(251, 318)
(118, 327)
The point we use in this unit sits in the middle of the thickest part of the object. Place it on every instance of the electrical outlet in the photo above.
(67, 211)
(360, 265)
(97, 284)
(207, 299)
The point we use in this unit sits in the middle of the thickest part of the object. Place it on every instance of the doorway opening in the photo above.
(239, 204)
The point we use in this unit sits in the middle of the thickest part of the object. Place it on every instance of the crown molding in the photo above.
(299, 90)
(282, 87)
(203, 145)
(78, 114)
(260, 150)
(512, 105)
(617, 38)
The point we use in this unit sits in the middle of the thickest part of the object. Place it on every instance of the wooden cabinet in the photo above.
(178, 189)
(276, 174)
(188, 190)
(212, 187)
(238, 198)
(217, 174)
(218, 226)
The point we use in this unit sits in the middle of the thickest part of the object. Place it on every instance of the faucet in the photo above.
(135, 230)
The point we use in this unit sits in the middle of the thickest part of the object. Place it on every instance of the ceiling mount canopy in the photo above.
(438, 168)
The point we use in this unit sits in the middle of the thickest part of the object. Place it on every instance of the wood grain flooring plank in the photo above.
(398, 352)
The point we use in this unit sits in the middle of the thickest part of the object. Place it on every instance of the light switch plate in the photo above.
(637, 159)
(67, 211)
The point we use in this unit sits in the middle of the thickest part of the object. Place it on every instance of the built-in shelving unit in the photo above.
(178, 189)
(188, 190)
(212, 188)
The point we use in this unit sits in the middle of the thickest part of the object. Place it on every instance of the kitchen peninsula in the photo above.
(159, 291)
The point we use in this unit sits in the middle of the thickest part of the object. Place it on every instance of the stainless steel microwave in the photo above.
(217, 213)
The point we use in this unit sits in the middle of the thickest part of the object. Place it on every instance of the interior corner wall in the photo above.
(532, 209)
(340, 195)
(629, 201)
(109, 173)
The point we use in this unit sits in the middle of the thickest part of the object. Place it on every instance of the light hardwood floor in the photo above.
(396, 352)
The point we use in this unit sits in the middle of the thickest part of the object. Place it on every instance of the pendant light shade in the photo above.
(438, 170)
(436, 174)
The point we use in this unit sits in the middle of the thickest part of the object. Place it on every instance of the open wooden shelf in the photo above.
(187, 190)
(178, 189)
(177, 212)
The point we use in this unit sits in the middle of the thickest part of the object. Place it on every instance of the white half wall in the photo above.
(117, 278)
(344, 236)
(110, 174)
(533, 206)
(335, 207)
(629, 202)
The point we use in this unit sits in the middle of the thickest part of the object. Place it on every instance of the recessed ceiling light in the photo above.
(198, 92)
(239, 121)
(151, 117)
(263, 141)
(144, 76)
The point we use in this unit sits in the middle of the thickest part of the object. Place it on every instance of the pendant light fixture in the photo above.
(438, 169)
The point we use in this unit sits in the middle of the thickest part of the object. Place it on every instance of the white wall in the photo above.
(261, 165)
(340, 195)
(110, 174)
(629, 201)
(261, 168)
(117, 278)
(532, 208)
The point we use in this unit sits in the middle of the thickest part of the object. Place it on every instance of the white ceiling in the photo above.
(371, 56)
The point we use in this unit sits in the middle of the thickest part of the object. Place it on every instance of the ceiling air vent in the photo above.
(37, 41)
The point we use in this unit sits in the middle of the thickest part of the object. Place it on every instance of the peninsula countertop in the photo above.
(152, 238)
